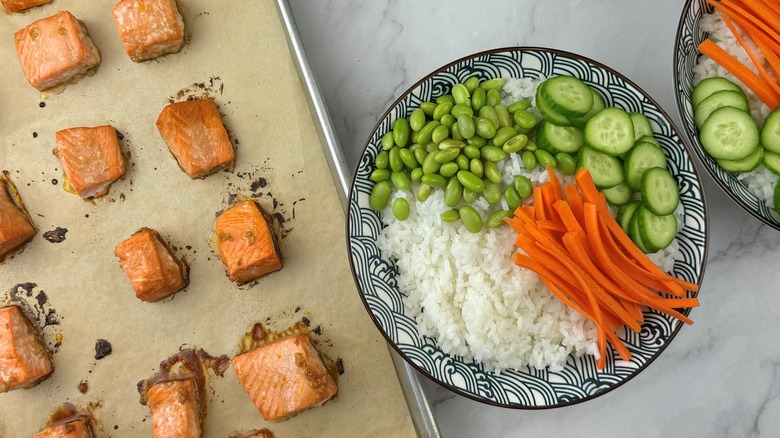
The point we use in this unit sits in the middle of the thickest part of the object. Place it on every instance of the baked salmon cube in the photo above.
(16, 228)
(175, 409)
(194, 133)
(24, 360)
(149, 28)
(78, 428)
(247, 245)
(20, 5)
(153, 270)
(262, 433)
(55, 49)
(285, 377)
(91, 159)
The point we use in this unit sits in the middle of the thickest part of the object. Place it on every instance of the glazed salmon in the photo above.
(54, 50)
(175, 409)
(262, 433)
(153, 270)
(285, 377)
(24, 360)
(247, 245)
(91, 159)
(78, 428)
(16, 228)
(194, 133)
(20, 5)
(149, 28)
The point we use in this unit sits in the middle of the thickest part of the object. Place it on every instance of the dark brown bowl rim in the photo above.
(379, 326)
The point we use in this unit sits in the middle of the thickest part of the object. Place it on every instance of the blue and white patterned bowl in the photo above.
(527, 388)
(685, 56)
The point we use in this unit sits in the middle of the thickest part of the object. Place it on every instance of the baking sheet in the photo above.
(236, 53)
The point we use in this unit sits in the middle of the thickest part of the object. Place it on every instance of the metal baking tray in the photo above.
(419, 408)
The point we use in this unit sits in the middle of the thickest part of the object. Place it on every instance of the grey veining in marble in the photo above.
(721, 376)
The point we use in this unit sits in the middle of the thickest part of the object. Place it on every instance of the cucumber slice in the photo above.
(618, 195)
(555, 139)
(546, 111)
(642, 157)
(606, 171)
(568, 96)
(634, 233)
(746, 164)
(710, 86)
(656, 232)
(772, 162)
(598, 105)
(625, 214)
(660, 193)
(729, 134)
(610, 131)
(719, 100)
(642, 126)
(650, 139)
(770, 133)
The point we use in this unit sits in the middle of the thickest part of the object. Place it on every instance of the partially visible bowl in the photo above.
(685, 58)
(528, 388)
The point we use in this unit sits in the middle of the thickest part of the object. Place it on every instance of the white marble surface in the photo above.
(721, 376)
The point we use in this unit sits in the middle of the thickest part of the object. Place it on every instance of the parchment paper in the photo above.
(237, 50)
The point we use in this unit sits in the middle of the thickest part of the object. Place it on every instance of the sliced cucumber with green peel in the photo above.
(546, 111)
(606, 170)
(598, 105)
(643, 156)
(772, 162)
(568, 96)
(660, 193)
(625, 213)
(642, 126)
(656, 231)
(554, 139)
(746, 164)
(618, 195)
(650, 139)
(610, 131)
(729, 134)
(719, 100)
(634, 233)
(770, 132)
(710, 86)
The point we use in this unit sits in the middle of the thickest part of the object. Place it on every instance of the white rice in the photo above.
(761, 182)
(465, 291)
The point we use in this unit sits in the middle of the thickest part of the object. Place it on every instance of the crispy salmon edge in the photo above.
(184, 267)
(16, 199)
(38, 337)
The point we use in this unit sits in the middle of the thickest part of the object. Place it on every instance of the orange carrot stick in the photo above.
(771, 5)
(539, 203)
(739, 15)
(759, 10)
(757, 62)
(772, 57)
(574, 199)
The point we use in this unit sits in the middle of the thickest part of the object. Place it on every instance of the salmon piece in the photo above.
(24, 361)
(91, 159)
(175, 409)
(194, 133)
(151, 267)
(285, 377)
(262, 433)
(54, 50)
(247, 245)
(78, 428)
(20, 5)
(16, 228)
(149, 28)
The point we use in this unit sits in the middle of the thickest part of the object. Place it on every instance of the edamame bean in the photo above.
(445, 98)
(463, 162)
(492, 153)
(477, 168)
(387, 141)
(415, 146)
(428, 108)
(450, 215)
(503, 135)
(472, 83)
(460, 109)
(512, 197)
(493, 98)
(453, 192)
(401, 209)
(466, 126)
(401, 132)
(523, 186)
(450, 143)
(529, 160)
(380, 196)
(566, 163)
(395, 159)
(417, 120)
(471, 151)
(420, 155)
(496, 219)
(446, 155)
(456, 135)
(504, 118)
(530, 146)
(471, 181)
(408, 158)
(401, 180)
(380, 175)
(521, 130)
(477, 141)
(492, 193)
(470, 218)
(493, 84)
(460, 93)
(430, 165)
(448, 120)
(423, 192)
(525, 119)
(442, 109)
(484, 127)
(492, 173)
(489, 113)
(478, 98)
(431, 147)
(427, 132)
(413, 137)
(449, 169)
(434, 180)
(417, 174)
(519, 105)
(545, 158)
(515, 144)
(440, 133)
(382, 160)
(469, 196)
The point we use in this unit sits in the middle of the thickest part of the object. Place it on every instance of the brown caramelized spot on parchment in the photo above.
(56, 235)
(68, 413)
(261, 335)
(262, 433)
(103, 349)
(83, 386)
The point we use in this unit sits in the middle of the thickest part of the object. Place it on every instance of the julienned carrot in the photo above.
(772, 82)
(772, 56)
(750, 79)
(740, 15)
(575, 202)
(771, 5)
(759, 10)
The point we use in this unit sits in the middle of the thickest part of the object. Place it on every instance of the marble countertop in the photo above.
(721, 376)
